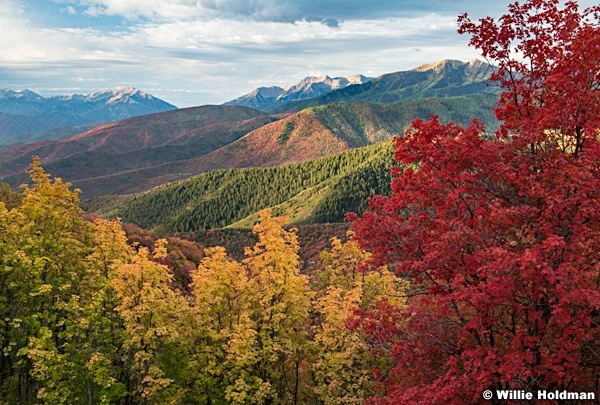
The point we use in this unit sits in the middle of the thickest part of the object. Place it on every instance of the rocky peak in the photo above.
(440, 66)
(26, 94)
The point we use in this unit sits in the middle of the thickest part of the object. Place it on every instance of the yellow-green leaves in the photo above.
(54, 281)
(343, 361)
(151, 313)
(280, 307)
(253, 318)
(87, 318)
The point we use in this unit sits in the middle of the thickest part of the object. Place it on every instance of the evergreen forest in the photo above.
(317, 191)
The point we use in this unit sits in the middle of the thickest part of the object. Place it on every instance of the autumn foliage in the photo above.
(94, 312)
(480, 272)
(501, 237)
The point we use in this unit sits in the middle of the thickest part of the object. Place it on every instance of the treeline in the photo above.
(220, 198)
(88, 318)
(312, 239)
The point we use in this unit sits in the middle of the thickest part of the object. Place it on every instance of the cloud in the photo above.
(216, 60)
(93, 79)
(69, 10)
(331, 22)
(328, 12)
(197, 52)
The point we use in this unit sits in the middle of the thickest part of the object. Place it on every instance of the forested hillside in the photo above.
(317, 191)
(309, 134)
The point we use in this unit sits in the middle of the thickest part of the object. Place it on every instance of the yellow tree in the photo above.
(152, 314)
(344, 357)
(86, 365)
(12, 335)
(44, 242)
(220, 309)
(280, 305)
(252, 321)
(60, 336)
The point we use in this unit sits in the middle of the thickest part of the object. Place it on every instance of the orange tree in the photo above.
(501, 237)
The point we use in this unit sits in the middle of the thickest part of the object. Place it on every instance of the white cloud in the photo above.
(329, 12)
(92, 79)
(69, 10)
(135, 9)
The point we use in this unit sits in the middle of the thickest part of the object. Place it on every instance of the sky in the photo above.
(197, 52)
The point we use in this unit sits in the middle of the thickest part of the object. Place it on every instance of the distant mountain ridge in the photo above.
(268, 98)
(446, 78)
(47, 135)
(26, 112)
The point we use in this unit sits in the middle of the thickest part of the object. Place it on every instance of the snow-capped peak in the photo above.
(112, 95)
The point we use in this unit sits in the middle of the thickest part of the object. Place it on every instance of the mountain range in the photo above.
(136, 154)
(268, 98)
(25, 112)
(139, 153)
(445, 78)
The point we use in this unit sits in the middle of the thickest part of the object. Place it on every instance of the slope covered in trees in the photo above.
(138, 154)
(320, 190)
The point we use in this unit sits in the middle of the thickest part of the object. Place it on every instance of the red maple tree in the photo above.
(500, 237)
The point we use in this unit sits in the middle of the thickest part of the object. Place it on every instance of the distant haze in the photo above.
(26, 112)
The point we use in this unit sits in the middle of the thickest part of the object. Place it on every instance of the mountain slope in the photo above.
(447, 78)
(336, 127)
(316, 191)
(306, 135)
(47, 135)
(13, 125)
(136, 142)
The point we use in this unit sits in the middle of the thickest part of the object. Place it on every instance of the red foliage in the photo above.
(137, 236)
(183, 255)
(501, 238)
